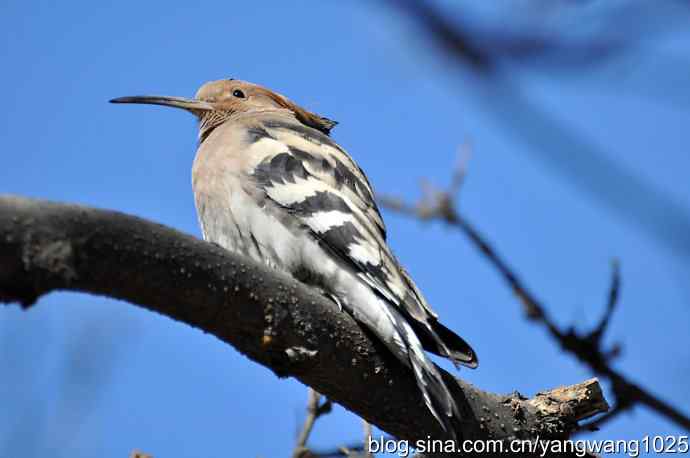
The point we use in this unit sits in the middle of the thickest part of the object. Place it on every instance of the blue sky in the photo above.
(88, 376)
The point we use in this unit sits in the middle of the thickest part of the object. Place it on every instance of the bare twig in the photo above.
(598, 332)
(587, 348)
(314, 411)
(367, 438)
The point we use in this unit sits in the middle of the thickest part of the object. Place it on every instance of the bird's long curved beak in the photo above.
(175, 102)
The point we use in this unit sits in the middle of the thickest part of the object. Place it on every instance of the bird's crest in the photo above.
(304, 116)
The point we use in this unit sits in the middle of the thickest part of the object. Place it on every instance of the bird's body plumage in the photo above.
(271, 184)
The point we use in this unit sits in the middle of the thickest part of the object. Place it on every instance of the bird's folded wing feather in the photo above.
(316, 181)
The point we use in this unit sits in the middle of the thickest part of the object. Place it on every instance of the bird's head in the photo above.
(217, 101)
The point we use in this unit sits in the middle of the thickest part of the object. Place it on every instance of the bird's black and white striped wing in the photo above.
(326, 161)
(317, 182)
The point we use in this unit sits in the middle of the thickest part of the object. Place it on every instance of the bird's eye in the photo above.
(238, 93)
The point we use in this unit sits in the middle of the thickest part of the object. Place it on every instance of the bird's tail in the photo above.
(441, 341)
(434, 336)
(389, 323)
(436, 395)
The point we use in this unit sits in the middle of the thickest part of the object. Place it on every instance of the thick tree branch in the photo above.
(264, 314)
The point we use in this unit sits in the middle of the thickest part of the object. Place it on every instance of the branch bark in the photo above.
(265, 314)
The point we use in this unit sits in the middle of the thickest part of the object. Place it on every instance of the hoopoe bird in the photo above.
(270, 183)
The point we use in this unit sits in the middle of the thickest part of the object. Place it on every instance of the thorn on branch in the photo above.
(598, 332)
(460, 170)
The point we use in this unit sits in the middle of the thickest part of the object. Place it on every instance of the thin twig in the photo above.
(598, 332)
(367, 438)
(314, 411)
